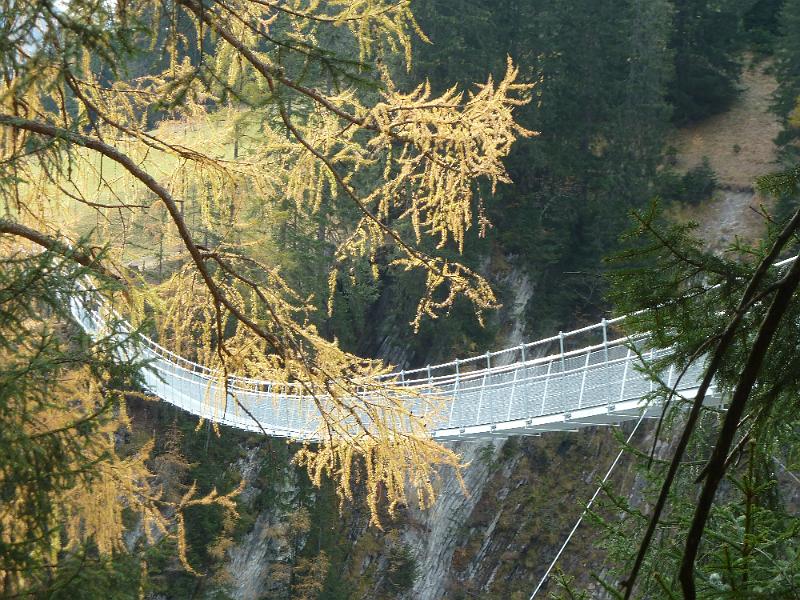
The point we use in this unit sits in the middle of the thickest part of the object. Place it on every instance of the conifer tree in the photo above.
(315, 122)
(705, 39)
(787, 72)
(602, 71)
(714, 523)
(66, 482)
(601, 113)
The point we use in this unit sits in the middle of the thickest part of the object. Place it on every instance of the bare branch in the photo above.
(54, 245)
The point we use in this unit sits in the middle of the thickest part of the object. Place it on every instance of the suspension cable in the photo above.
(588, 507)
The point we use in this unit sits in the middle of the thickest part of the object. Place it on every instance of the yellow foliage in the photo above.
(794, 117)
(395, 157)
(91, 508)
(310, 574)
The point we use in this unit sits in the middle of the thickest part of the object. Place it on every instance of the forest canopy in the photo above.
(288, 189)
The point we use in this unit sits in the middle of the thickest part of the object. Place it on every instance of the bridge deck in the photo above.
(524, 390)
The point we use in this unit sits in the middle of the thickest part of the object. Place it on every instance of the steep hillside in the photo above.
(739, 146)
(738, 143)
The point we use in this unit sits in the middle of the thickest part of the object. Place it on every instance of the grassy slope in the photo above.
(751, 126)
(748, 124)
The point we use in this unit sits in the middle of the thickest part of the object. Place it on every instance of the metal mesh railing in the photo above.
(539, 379)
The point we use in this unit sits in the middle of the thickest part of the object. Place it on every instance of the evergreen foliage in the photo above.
(788, 74)
(761, 22)
(601, 70)
(737, 540)
(693, 187)
(61, 404)
(705, 40)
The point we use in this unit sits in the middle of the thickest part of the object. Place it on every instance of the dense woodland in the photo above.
(135, 499)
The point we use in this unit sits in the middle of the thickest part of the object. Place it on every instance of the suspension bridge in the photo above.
(586, 377)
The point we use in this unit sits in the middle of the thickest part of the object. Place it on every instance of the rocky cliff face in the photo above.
(438, 532)
(531, 491)
(253, 560)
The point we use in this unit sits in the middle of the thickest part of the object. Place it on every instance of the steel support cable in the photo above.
(786, 470)
(586, 510)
